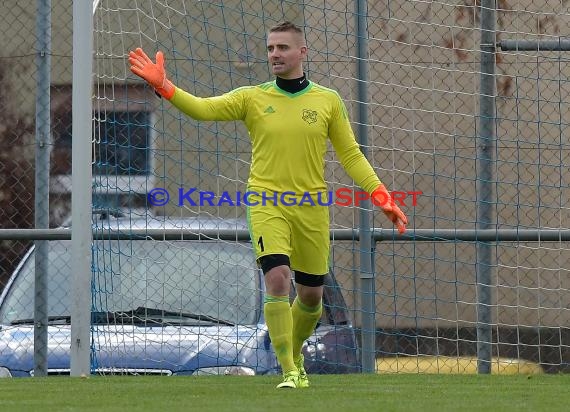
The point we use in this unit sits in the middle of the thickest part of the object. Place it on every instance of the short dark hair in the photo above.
(286, 26)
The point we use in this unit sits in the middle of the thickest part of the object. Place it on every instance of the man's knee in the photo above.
(309, 288)
(277, 273)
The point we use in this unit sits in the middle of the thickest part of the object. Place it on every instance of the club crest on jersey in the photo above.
(310, 116)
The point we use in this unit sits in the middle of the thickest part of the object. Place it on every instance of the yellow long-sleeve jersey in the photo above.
(289, 133)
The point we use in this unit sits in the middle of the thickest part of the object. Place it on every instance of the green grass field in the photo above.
(331, 393)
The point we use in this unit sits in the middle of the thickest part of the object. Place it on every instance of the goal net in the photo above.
(422, 125)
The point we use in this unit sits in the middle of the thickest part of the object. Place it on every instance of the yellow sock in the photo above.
(277, 311)
(305, 319)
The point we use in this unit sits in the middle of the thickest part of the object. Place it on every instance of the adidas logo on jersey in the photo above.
(269, 110)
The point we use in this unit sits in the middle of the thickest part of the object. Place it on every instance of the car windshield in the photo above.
(202, 281)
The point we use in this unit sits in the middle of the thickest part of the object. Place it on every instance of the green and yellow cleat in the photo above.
(290, 380)
(303, 377)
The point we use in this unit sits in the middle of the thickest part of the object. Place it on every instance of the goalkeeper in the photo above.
(290, 121)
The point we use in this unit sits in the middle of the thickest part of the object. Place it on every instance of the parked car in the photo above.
(181, 307)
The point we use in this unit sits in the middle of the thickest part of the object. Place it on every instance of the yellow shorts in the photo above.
(300, 232)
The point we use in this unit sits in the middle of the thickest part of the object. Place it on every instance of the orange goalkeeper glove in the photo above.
(381, 198)
(153, 73)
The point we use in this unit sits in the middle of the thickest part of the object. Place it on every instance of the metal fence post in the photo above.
(367, 281)
(485, 158)
(41, 197)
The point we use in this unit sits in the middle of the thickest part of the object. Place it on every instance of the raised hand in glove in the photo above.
(153, 73)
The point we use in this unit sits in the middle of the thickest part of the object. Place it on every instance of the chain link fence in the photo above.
(423, 126)
(18, 82)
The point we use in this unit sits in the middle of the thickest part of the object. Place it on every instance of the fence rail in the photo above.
(378, 235)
